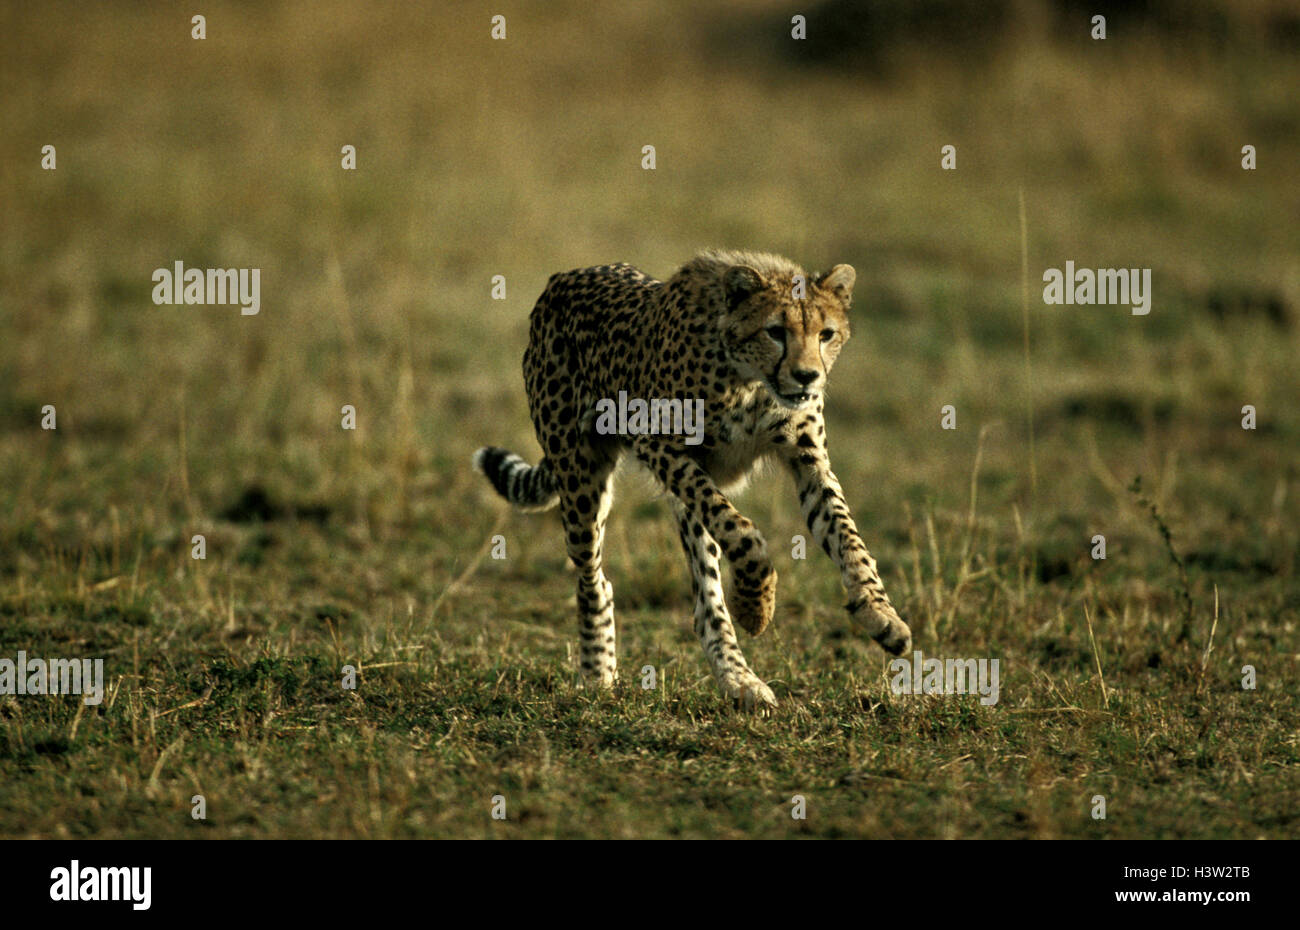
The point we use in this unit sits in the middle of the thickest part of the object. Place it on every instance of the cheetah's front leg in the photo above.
(753, 590)
(712, 624)
(827, 514)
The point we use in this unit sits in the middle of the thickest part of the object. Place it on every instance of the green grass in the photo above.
(327, 548)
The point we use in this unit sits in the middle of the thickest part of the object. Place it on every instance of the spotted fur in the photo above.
(735, 330)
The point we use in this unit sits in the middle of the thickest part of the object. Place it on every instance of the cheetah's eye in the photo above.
(776, 332)
(827, 335)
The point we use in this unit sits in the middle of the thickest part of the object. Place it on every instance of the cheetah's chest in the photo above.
(742, 440)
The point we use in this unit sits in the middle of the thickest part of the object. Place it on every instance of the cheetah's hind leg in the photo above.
(583, 512)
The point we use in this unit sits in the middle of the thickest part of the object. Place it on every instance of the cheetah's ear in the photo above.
(740, 282)
(839, 281)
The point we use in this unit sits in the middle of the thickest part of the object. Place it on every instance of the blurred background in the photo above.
(522, 157)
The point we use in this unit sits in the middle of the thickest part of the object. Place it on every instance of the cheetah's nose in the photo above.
(805, 376)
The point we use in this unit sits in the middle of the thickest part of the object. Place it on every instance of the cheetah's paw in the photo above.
(598, 680)
(882, 624)
(749, 692)
(753, 608)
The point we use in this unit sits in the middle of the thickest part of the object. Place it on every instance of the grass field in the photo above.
(370, 547)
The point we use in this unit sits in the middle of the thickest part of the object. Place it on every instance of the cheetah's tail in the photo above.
(528, 487)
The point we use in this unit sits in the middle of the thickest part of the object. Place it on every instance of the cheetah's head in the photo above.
(784, 334)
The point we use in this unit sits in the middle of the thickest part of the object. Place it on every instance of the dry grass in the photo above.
(522, 158)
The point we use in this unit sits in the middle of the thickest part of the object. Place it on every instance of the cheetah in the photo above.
(754, 338)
